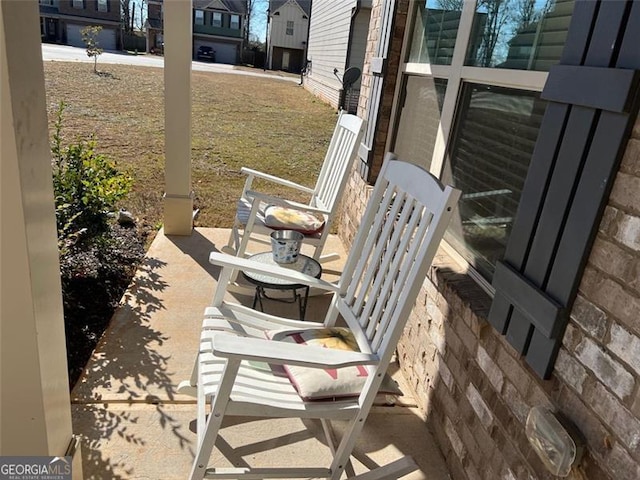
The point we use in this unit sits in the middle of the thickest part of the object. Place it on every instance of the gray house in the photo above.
(218, 24)
(337, 40)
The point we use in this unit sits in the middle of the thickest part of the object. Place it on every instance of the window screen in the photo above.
(493, 140)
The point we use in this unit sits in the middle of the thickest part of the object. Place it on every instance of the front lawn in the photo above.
(266, 124)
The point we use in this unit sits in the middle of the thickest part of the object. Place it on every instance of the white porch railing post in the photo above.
(35, 409)
(178, 200)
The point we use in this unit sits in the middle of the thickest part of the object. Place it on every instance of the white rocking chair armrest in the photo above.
(281, 353)
(274, 179)
(271, 200)
(248, 265)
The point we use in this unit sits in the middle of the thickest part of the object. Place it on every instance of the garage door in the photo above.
(225, 52)
(106, 37)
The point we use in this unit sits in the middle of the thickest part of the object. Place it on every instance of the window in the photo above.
(519, 35)
(493, 141)
(434, 33)
(469, 109)
(216, 19)
(419, 118)
(235, 22)
(199, 17)
(103, 6)
(289, 27)
(78, 4)
(46, 2)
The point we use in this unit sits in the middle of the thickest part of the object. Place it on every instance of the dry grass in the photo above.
(271, 125)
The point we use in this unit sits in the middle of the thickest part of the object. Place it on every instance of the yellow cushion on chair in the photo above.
(283, 218)
(322, 384)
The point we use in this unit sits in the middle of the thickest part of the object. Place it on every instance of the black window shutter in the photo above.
(594, 96)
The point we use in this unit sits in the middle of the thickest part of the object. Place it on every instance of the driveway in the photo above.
(64, 53)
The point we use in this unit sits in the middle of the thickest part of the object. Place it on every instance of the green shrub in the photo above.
(98, 257)
(86, 184)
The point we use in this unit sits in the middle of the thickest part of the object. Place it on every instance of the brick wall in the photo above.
(476, 391)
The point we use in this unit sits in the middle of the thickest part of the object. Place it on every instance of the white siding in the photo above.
(328, 45)
(279, 38)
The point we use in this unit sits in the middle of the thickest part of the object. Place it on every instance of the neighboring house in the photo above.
(153, 26)
(62, 20)
(218, 24)
(337, 41)
(534, 301)
(287, 34)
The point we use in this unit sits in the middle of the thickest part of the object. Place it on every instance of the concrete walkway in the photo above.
(135, 425)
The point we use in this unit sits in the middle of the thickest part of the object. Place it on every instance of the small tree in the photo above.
(90, 39)
(86, 185)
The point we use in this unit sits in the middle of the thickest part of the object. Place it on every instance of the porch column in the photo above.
(35, 407)
(178, 200)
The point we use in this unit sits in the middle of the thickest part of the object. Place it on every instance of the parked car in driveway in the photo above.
(206, 54)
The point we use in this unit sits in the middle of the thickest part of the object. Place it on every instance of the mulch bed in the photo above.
(95, 274)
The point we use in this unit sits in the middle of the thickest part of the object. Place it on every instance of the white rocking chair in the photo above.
(237, 370)
(250, 222)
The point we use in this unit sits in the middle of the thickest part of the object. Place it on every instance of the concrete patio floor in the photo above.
(134, 424)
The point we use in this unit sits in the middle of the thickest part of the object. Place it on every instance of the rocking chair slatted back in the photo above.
(333, 174)
(322, 200)
(389, 260)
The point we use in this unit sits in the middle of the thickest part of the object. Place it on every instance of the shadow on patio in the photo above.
(134, 423)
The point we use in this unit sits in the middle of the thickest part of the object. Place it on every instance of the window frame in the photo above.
(231, 21)
(289, 29)
(198, 19)
(215, 15)
(456, 74)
